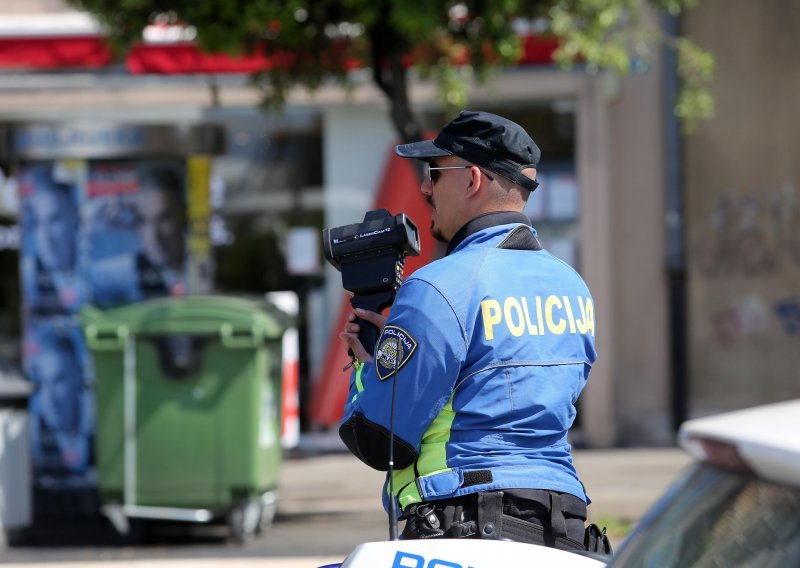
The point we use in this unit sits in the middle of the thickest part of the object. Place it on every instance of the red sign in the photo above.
(112, 179)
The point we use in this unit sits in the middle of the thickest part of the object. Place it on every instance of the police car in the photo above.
(462, 553)
(738, 505)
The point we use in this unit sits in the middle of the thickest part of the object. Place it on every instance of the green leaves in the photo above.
(601, 36)
(612, 34)
(696, 70)
(453, 42)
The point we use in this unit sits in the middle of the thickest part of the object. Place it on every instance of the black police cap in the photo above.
(483, 139)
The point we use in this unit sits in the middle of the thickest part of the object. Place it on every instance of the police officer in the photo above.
(489, 349)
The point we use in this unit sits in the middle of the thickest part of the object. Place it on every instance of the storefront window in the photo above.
(269, 181)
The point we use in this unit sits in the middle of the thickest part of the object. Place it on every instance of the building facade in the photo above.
(649, 218)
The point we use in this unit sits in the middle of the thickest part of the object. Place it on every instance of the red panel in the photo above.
(538, 50)
(54, 53)
(186, 58)
(399, 193)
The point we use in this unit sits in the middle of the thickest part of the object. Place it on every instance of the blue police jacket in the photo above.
(489, 348)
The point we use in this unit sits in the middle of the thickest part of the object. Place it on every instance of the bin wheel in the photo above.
(138, 532)
(243, 521)
(269, 508)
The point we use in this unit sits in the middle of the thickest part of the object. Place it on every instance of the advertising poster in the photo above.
(50, 255)
(52, 269)
(136, 229)
(61, 408)
(104, 221)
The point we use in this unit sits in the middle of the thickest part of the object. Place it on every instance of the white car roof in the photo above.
(766, 439)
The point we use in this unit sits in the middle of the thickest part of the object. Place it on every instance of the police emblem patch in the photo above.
(395, 348)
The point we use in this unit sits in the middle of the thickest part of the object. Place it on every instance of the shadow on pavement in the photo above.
(72, 518)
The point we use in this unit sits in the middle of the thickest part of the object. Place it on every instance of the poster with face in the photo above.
(61, 408)
(137, 225)
(51, 263)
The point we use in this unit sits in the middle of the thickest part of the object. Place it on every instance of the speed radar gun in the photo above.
(371, 255)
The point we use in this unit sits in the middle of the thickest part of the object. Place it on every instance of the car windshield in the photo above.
(718, 518)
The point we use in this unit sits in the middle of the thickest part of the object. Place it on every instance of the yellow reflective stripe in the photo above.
(405, 487)
(359, 367)
(432, 457)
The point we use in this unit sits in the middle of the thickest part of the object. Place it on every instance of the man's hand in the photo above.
(349, 335)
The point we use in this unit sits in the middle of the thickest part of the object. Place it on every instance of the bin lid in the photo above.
(195, 315)
(13, 385)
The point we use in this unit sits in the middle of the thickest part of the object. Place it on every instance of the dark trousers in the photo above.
(534, 516)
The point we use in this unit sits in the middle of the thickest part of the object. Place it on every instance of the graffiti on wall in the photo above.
(748, 317)
(745, 318)
(751, 233)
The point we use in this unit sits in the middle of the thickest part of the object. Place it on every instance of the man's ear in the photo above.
(475, 175)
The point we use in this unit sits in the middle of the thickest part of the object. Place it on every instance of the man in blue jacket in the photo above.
(489, 348)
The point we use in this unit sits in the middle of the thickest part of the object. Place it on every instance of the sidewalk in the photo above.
(624, 483)
(295, 562)
(333, 496)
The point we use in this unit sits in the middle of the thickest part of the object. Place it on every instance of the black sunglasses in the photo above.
(432, 172)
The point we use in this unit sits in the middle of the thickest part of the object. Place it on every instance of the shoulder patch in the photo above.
(395, 348)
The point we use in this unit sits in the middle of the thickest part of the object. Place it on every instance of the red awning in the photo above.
(79, 52)
(186, 58)
(43, 52)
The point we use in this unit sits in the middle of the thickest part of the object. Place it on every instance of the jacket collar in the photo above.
(485, 221)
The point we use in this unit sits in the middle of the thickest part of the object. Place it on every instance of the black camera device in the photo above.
(370, 255)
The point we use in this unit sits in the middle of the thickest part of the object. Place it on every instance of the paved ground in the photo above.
(623, 484)
(329, 503)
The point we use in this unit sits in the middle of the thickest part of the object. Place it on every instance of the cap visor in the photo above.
(423, 150)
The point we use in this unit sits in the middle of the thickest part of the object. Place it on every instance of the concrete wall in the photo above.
(743, 208)
(641, 367)
(598, 401)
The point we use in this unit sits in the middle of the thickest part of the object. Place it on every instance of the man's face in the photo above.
(442, 193)
(160, 226)
(56, 226)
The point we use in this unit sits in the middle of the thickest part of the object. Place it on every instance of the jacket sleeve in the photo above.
(421, 350)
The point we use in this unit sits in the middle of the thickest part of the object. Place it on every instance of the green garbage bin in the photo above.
(188, 410)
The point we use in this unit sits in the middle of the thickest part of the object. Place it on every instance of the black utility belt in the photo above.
(535, 516)
(570, 504)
